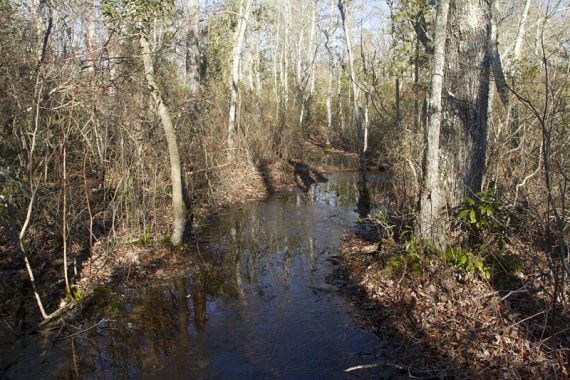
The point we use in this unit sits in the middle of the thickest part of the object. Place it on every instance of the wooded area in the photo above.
(126, 120)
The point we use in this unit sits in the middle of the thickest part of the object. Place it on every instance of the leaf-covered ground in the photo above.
(452, 326)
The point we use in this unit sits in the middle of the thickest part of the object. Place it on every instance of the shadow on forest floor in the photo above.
(444, 325)
(304, 176)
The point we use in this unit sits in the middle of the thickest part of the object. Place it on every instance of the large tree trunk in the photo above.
(178, 205)
(458, 170)
(465, 99)
(244, 11)
(430, 200)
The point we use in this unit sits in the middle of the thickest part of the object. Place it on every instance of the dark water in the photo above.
(263, 307)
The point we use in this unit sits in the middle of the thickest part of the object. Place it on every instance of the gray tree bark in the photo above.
(178, 205)
(245, 8)
(192, 47)
(364, 198)
(458, 170)
(430, 199)
(466, 95)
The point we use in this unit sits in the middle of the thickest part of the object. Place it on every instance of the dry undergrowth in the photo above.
(462, 328)
(138, 260)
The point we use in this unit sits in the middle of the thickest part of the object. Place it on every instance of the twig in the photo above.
(87, 329)
(522, 289)
(362, 366)
(527, 318)
(210, 168)
(553, 335)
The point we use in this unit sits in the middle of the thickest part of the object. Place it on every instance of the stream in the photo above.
(264, 306)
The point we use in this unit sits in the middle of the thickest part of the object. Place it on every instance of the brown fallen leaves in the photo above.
(452, 327)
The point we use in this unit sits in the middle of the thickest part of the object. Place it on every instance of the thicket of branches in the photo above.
(82, 153)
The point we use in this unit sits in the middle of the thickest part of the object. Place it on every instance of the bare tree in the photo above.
(364, 198)
(192, 47)
(243, 16)
(430, 200)
(178, 204)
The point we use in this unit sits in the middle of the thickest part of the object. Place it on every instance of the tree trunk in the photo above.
(458, 170)
(417, 113)
(339, 98)
(178, 205)
(364, 198)
(330, 77)
(512, 109)
(243, 16)
(465, 104)
(192, 47)
(398, 108)
(430, 200)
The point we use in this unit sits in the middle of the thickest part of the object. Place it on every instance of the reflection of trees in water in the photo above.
(154, 334)
(364, 201)
(257, 248)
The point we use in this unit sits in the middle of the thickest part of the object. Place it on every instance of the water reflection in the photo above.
(334, 160)
(260, 308)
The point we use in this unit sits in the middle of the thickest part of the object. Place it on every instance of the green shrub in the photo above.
(485, 220)
(412, 262)
(467, 262)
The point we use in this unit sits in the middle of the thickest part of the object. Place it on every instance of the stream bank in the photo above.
(260, 301)
(444, 324)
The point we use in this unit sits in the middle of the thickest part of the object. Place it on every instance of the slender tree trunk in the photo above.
(89, 37)
(245, 8)
(192, 47)
(366, 123)
(285, 53)
(430, 201)
(311, 49)
(339, 98)
(329, 108)
(64, 217)
(519, 39)
(398, 111)
(178, 205)
(330, 77)
(512, 109)
(417, 112)
(364, 199)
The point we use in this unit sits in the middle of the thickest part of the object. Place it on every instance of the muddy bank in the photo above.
(447, 324)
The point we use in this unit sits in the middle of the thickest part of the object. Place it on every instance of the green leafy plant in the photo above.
(5, 196)
(145, 239)
(411, 262)
(467, 262)
(484, 219)
(76, 295)
(409, 259)
(166, 242)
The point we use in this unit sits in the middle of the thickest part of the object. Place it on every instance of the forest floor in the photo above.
(447, 325)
